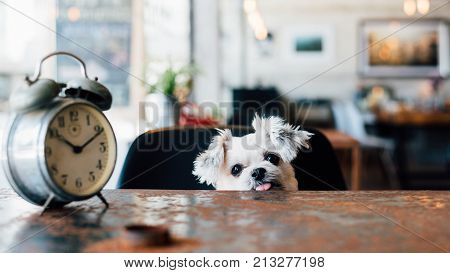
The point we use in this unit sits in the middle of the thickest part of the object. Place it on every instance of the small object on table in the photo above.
(145, 235)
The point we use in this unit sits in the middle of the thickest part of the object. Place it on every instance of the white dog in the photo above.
(257, 161)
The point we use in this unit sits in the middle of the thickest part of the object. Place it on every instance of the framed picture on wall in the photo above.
(404, 48)
(309, 44)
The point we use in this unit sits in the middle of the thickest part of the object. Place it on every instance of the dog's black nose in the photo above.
(258, 174)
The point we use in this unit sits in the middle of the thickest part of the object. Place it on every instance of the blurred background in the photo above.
(372, 74)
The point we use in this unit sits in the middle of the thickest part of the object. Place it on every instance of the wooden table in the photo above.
(421, 146)
(212, 221)
(342, 141)
(414, 118)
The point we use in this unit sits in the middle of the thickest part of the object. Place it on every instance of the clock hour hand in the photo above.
(91, 139)
(63, 139)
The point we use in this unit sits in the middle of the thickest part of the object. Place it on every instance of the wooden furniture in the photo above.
(341, 141)
(422, 147)
(213, 221)
(414, 118)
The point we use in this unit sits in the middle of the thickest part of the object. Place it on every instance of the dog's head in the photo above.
(257, 161)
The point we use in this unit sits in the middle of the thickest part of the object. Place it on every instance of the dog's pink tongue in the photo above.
(264, 187)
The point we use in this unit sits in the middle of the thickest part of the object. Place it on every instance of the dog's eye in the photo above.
(272, 158)
(236, 170)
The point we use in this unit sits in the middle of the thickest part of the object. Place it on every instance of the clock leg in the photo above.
(102, 198)
(47, 202)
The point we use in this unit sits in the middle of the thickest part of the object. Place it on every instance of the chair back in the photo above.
(163, 159)
(348, 119)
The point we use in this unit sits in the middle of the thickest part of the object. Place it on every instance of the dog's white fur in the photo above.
(272, 135)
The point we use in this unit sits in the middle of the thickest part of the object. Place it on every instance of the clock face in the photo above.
(80, 150)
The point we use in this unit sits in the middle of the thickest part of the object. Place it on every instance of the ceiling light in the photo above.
(409, 7)
(423, 6)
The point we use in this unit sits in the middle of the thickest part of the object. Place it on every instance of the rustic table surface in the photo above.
(209, 221)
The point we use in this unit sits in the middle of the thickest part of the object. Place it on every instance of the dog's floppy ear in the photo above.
(285, 138)
(207, 163)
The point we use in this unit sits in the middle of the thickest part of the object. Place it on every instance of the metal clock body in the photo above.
(59, 147)
(27, 154)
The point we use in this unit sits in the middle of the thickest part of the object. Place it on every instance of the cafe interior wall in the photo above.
(270, 64)
(229, 56)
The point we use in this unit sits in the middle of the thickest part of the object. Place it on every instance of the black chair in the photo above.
(316, 113)
(265, 101)
(163, 159)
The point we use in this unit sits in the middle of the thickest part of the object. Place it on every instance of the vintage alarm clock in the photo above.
(59, 146)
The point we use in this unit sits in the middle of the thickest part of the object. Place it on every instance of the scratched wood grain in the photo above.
(210, 221)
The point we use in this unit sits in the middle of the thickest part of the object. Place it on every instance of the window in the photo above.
(98, 31)
(167, 36)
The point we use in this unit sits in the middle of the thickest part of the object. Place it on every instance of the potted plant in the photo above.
(164, 97)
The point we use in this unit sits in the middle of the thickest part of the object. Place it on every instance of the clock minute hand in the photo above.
(91, 139)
